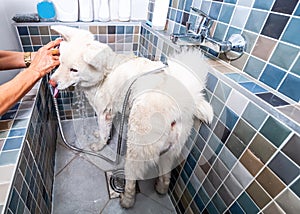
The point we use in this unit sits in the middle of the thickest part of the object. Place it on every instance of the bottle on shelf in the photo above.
(124, 10)
(104, 12)
(86, 13)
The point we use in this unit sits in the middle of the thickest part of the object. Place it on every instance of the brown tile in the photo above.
(36, 40)
(240, 62)
(1, 143)
(93, 29)
(111, 38)
(263, 48)
(102, 29)
(270, 182)
(273, 208)
(136, 30)
(6, 124)
(289, 202)
(262, 148)
(258, 195)
(44, 30)
(251, 162)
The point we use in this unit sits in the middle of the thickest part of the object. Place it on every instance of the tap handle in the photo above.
(200, 12)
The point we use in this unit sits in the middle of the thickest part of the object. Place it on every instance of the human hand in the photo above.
(46, 58)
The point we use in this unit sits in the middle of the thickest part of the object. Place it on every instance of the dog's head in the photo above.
(83, 60)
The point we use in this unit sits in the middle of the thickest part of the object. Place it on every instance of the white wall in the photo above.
(8, 8)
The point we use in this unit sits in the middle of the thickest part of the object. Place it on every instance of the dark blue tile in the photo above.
(291, 87)
(247, 204)
(203, 196)
(272, 76)
(263, 4)
(274, 25)
(229, 118)
(211, 208)
(235, 208)
(284, 168)
(23, 31)
(199, 202)
(8, 116)
(191, 189)
(283, 6)
(296, 187)
(272, 99)
(253, 87)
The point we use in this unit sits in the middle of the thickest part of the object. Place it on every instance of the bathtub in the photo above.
(230, 164)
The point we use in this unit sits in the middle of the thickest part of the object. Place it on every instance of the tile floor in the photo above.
(80, 186)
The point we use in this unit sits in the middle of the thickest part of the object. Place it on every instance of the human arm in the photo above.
(44, 61)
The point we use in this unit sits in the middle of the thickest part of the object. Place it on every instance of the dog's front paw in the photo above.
(161, 188)
(97, 146)
(126, 201)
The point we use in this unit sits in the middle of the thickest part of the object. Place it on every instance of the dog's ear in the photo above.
(97, 55)
(69, 33)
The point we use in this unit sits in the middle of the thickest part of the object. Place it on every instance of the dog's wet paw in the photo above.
(97, 146)
(126, 202)
(161, 188)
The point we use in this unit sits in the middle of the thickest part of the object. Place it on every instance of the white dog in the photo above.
(162, 103)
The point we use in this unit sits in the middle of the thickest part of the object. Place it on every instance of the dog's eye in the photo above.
(73, 70)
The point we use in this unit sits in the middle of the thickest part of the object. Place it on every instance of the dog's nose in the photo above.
(53, 83)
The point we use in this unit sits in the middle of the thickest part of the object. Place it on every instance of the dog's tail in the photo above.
(195, 81)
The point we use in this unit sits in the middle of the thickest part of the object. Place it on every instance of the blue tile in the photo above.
(215, 10)
(254, 67)
(205, 6)
(297, 11)
(199, 202)
(120, 29)
(284, 55)
(215, 144)
(226, 13)
(247, 204)
(272, 76)
(253, 87)
(211, 208)
(231, 31)
(254, 115)
(211, 82)
(291, 87)
(235, 208)
(263, 4)
(8, 116)
(229, 118)
(292, 32)
(191, 189)
(187, 6)
(230, 1)
(219, 203)
(296, 67)
(178, 16)
(227, 158)
(237, 77)
(17, 132)
(284, 168)
(296, 187)
(272, 99)
(13, 143)
(220, 31)
(204, 131)
(256, 20)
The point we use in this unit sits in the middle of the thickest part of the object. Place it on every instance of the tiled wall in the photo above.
(271, 29)
(28, 139)
(247, 160)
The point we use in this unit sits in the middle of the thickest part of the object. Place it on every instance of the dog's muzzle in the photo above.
(54, 88)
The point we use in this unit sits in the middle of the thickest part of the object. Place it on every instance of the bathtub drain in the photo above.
(117, 181)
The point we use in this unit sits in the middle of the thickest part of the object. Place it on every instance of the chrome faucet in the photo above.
(199, 35)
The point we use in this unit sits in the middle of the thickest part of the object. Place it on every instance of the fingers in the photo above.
(53, 44)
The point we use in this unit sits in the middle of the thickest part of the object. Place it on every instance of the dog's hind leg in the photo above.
(128, 197)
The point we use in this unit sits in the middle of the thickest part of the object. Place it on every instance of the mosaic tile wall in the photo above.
(28, 139)
(245, 161)
(271, 29)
